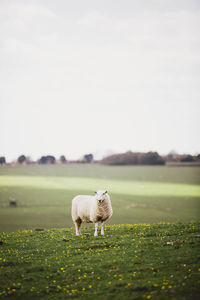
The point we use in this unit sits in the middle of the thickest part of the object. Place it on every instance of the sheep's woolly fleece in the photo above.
(86, 208)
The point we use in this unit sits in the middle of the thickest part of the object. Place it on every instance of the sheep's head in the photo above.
(100, 196)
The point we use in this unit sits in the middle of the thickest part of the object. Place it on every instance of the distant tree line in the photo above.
(175, 157)
(148, 158)
(134, 158)
(127, 158)
(49, 159)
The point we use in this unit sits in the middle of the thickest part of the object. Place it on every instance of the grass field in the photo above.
(132, 261)
(141, 261)
(139, 194)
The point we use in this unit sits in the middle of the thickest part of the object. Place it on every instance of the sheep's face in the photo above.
(100, 196)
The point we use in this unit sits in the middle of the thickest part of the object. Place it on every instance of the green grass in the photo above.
(188, 175)
(138, 194)
(141, 261)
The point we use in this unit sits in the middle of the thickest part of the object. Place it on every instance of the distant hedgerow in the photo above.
(134, 158)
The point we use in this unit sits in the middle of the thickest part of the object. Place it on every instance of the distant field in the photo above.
(139, 194)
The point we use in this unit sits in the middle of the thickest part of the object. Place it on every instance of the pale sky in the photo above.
(99, 76)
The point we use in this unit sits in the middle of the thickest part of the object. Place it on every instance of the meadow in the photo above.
(140, 261)
(139, 194)
(150, 249)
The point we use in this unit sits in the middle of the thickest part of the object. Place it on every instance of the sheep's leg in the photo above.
(78, 226)
(96, 228)
(102, 230)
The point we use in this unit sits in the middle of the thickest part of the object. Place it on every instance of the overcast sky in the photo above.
(99, 76)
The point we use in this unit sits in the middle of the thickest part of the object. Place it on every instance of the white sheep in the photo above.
(91, 209)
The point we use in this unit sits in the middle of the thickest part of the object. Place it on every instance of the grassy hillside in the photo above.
(189, 175)
(141, 261)
(138, 194)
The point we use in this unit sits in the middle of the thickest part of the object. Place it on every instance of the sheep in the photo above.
(13, 203)
(91, 209)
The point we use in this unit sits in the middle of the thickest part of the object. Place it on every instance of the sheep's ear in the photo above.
(105, 192)
(95, 192)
